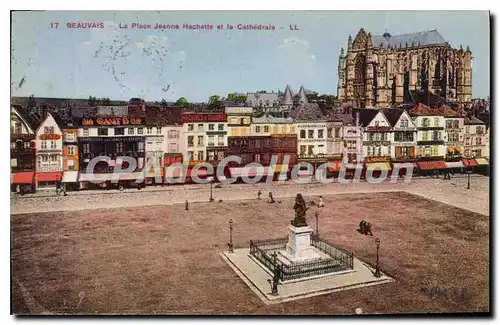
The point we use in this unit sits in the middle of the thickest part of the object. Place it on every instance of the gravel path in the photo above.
(453, 192)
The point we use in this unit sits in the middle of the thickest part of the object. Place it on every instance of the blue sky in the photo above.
(156, 64)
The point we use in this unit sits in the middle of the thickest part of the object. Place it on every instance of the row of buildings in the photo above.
(54, 149)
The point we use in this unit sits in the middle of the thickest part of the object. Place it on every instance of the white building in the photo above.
(205, 136)
(403, 137)
(49, 153)
(475, 138)
(430, 132)
(376, 133)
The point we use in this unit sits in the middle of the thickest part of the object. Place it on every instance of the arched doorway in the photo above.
(360, 80)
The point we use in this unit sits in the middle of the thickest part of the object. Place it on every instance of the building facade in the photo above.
(239, 120)
(112, 137)
(205, 137)
(49, 153)
(403, 139)
(380, 71)
(22, 149)
(475, 138)
(454, 137)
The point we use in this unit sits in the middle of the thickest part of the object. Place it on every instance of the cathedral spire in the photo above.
(468, 49)
(341, 51)
(349, 43)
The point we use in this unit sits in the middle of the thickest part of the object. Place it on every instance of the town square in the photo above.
(352, 177)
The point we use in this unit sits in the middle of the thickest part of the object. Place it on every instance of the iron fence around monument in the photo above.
(339, 259)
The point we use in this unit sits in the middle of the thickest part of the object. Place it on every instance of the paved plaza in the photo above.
(163, 259)
(453, 192)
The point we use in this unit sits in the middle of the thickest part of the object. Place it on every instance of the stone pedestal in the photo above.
(299, 244)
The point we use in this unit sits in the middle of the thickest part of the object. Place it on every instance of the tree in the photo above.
(163, 102)
(237, 98)
(214, 103)
(213, 99)
(183, 102)
(330, 100)
(261, 92)
(92, 101)
(105, 101)
(313, 96)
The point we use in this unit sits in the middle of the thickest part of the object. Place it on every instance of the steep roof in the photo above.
(63, 124)
(473, 121)
(287, 97)
(161, 116)
(302, 95)
(255, 98)
(308, 112)
(393, 115)
(366, 115)
(426, 97)
(272, 120)
(430, 37)
(31, 119)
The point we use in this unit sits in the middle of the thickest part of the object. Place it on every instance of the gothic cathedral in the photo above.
(383, 71)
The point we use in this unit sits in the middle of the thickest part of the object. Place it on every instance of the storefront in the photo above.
(455, 167)
(376, 167)
(403, 169)
(483, 166)
(23, 182)
(49, 180)
(431, 167)
(70, 179)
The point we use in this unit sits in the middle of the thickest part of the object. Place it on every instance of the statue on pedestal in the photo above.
(300, 212)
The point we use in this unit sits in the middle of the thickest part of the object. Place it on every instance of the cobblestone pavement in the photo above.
(453, 192)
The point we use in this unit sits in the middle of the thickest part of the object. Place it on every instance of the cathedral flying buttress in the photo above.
(382, 71)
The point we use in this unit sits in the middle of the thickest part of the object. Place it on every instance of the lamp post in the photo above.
(377, 266)
(274, 281)
(316, 214)
(468, 178)
(211, 191)
(230, 245)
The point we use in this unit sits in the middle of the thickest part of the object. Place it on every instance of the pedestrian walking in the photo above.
(369, 229)
(271, 199)
(259, 193)
(187, 205)
(321, 204)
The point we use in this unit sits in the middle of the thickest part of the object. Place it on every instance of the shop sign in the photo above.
(195, 117)
(49, 136)
(371, 160)
(105, 121)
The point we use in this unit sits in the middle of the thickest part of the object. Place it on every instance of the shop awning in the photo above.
(481, 161)
(431, 165)
(378, 166)
(23, 178)
(248, 171)
(469, 162)
(70, 176)
(454, 164)
(48, 177)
